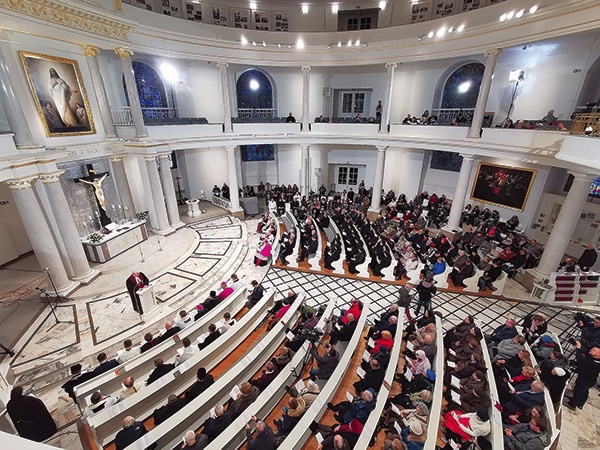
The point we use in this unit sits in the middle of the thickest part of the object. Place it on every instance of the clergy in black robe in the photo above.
(134, 283)
(30, 416)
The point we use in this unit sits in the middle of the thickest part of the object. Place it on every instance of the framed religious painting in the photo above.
(59, 94)
(504, 186)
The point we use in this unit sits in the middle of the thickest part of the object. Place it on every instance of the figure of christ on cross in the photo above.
(95, 180)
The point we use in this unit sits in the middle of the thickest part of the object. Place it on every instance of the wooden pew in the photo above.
(292, 224)
(143, 364)
(235, 435)
(363, 269)
(338, 266)
(435, 410)
(168, 434)
(315, 260)
(107, 423)
(388, 272)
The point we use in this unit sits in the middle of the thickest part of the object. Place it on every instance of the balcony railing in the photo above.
(121, 116)
(446, 115)
(257, 112)
(584, 120)
(159, 113)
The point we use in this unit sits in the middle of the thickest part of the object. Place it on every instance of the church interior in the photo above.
(149, 149)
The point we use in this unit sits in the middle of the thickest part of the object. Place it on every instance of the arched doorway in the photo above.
(151, 89)
(255, 95)
(459, 93)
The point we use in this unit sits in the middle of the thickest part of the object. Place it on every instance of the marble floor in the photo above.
(185, 266)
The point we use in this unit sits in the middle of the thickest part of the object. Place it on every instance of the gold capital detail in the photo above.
(222, 64)
(116, 158)
(79, 18)
(123, 52)
(493, 51)
(23, 183)
(118, 6)
(90, 50)
(48, 178)
(150, 158)
(164, 155)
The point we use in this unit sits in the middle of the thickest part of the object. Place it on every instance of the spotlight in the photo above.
(460, 28)
(510, 15)
(464, 87)
(441, 32)
(328, 45)
(253, 6)
(169, 72)
(382, 5)
(254, 43)
(305, 8)
(533, 9)
(300, 44)
(339, 44)
(349, 43)
(244, 40)
(289, 45)
(430, 34)
(357, 43)
(264, 44)
(502, 17)
(335, 8)
(254, 84)
(519, 14)
(450, 30)
(279, 45)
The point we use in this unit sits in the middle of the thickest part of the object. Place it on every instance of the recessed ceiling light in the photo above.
(279, 45)
(244, 40)
(350, 43)
(254, 43)
(450, 30)
(339, 44)
(382, 5)
(441, 32)
(289, 45)
(304, 8)
(533, 9)
(510, 15)
(328, 45)
(357, 43)
(519, 14)
(300, 44)
(502, 17)
(460, 28)
(253, 5)
(335, 8)
(430, 34)
(264, 44)
(365, 44)
(420, 38)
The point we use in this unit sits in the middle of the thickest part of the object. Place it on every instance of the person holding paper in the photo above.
(345, 332)
(419, 365)
(405, 400)
(373, 377)
(359, 408)
(290, 417)
(247, 395)
(326, 364)
(532, 436)
(385, 340)
(466, 426)
(309, 393)
(282, 358)
(136, 281)
(521, 401)
(213, 426)
(264, 440)
(340, 437)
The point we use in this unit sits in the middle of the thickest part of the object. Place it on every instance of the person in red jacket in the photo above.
(385, 340)
(355, 309)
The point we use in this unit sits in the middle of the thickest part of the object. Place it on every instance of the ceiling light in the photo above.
(304, 8)
(533, 9)
(382, 5)
(420, 38)
(502, 17)
(335, 8)
(289, 45)
(279, 45)
(253, 6)
(244, 40)
(441, 32)
(300, 44)
(357, 43)
(430, 34)
(339, 44)
(350, 43)
(520, 14)
(365, 44)
(450, 30)
(460, 28)
(328, 45)
(169, 72)
(264, 44)
(464, 87)
(254, 43)
(510, 15)
(254, 84)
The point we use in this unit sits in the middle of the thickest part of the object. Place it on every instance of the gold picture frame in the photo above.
(59, 94)
(508, 187)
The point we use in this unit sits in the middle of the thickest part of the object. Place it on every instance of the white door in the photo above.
(348, 176)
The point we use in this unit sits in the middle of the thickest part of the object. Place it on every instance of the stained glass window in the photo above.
(150, 89)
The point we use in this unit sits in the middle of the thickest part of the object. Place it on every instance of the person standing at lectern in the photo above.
(134, 283)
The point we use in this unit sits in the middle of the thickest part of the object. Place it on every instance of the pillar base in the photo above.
(373, 214)
(178, 225)
(166, 232)
(239, 213)
(64, 291)
(87, 278)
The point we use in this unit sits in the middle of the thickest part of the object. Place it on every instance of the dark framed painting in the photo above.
(504, 186)
(257, 152)
(59, 94)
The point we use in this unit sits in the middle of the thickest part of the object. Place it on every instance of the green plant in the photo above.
(142, 216)
(95, 237)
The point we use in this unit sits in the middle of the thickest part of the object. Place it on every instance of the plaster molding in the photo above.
(391, 64)
(222, 64)
(493, 51)
(90, 50)
(306, 68)
(164, 155)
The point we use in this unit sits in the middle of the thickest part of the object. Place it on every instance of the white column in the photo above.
(305, 97)
(134, 99)
(225, 92)
(234, 193)
(304, 170)
(82, 271)
(565, 225)
(120, 177)
(387, 100)
(169, 189)
(39, 234)
(91, 54)
(158, 197)
(484, 92)
(458, 201)
(378, 181)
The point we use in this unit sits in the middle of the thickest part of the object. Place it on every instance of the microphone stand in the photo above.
(53, 307)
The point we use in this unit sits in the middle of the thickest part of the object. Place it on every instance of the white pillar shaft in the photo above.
(225, 92)
(484, 92)
(304, 170)
(120, 177)
(158, 197)
(134, 98)
(100, 90)
(378, 180)
(169, 189)
(234, 193)
(305, 97)
(39, 234)
(458, 201)
(565, 225)
(387, 100)
(67, 228)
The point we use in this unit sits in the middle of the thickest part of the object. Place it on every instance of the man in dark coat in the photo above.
(373, 378)
(522, 401)
(134, 283)
(105, 364)
(588, 258)
(77, 378)
(266, 376)
(489, 277)
(506, 331)
(161, 369)
(130, 433)
(264, 440)
(326, 364)
(173, 405)
(257, 293)
(588, 368)
(345, 332)
(216, 425)
(203, 382)
(213, 335)
(170, 331)
(30, 416)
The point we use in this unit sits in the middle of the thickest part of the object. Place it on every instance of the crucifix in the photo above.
(95, 180)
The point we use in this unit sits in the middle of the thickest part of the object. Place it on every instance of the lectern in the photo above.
(148, 301)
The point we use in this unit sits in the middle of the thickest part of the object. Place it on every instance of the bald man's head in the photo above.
(190, 437)
(128, 421)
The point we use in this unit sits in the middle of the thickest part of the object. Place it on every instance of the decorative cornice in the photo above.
(305, 68)
(118, 6)
(123, 52)
(90, 50)
(222, 65)
(390, 64)
(60, 13)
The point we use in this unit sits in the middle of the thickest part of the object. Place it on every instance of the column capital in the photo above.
(91, 50)
(381, 148)
(22, 183)
(164, 155)
(116, 158)
(467, 156)
(222, 64)
(390, 64)
(150, 158)
(493, 51)
(584, 177)
(305, 68)
(124, 52)
(53, 177)
(230, 148)
(304, 146)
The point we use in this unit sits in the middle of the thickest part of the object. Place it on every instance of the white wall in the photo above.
(205, 167)
(15, 241)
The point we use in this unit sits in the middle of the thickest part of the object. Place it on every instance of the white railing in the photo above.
(257, 112)
(159, 113)
(445, 115)
(121, 116)
(220, 201)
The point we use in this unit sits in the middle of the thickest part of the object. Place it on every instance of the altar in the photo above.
(120, 239)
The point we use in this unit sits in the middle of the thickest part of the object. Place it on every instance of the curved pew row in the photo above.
(332, 231)
(192, 416)
(558, 407)
(433, 425)
(235, 435)
(371, 423)
(291, 224)
(142, 365)
(107, 423)
(301, 432)
(277, 239)
(315, 260)
(496, 432)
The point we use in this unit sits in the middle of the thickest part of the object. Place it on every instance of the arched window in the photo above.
(462, 87)
(151, 90)
(255, 94)
(590, 92)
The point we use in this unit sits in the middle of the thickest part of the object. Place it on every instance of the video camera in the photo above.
(314, 335)
(581, 317)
